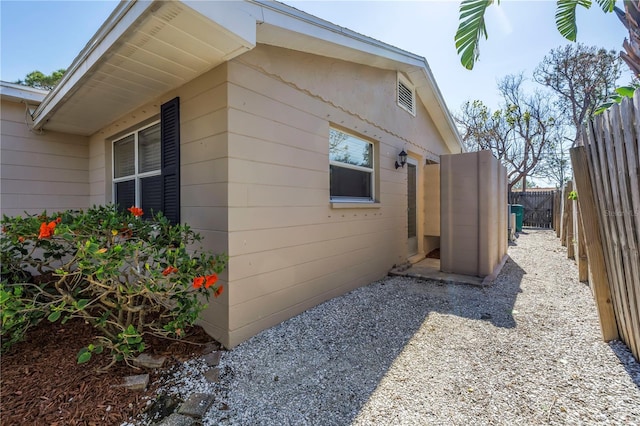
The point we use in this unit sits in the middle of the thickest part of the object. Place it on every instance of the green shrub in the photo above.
(125, 275)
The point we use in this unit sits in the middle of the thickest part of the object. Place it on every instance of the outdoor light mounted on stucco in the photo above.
(403, 159)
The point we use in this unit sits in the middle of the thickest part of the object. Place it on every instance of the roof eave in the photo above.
(122, 17)
(19, 93)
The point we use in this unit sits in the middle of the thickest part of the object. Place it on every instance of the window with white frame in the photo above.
(406, 95)
(351, 168)
(137, 169)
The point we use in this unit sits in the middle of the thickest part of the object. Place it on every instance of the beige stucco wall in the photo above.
(255, 180)
(203, 167)
(473, 213)
(290, 248)
(40, 171)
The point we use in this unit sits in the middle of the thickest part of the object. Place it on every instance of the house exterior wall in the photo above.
(473, 213)
(291, 248)
(40, 171)
(203, 167)
(254, 173)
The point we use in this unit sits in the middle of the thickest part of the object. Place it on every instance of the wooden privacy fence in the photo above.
(608, 189)
(538, 207)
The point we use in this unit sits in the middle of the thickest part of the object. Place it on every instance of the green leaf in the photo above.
(98, 349)
(566, 17)
(80, 304)
(83, 356)
(607, 5)
(626, 91)
(471, 26)
(54, 316)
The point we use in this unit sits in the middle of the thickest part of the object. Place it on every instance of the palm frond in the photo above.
(566, 16)
(471, 26)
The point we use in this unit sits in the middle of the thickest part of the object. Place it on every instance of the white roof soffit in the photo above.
(146, 49)
(19, 93)
(142, 51)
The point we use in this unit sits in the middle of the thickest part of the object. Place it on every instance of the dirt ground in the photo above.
(41, 383)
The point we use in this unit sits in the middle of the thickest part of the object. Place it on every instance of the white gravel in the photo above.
(400, 351)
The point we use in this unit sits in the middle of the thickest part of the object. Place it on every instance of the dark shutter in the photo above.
(151, 195)
(170, 161)
(125, 194)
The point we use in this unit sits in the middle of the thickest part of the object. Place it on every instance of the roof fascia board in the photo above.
(291, 19)
(441, 116)
(18, 92)
(121, 19)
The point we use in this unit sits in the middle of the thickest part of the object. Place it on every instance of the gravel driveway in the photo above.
(525, 351)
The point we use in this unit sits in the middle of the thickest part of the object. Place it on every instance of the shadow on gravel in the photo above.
(322, 366)
(627, 360)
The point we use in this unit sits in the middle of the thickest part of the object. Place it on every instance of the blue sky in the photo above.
(47, 35)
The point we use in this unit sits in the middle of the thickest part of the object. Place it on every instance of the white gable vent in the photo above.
(406, 95)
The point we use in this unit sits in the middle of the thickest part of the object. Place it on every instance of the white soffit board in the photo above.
(161, 48)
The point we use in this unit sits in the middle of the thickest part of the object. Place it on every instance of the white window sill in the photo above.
(347, 205)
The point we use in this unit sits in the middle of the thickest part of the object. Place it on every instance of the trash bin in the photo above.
(518, 209)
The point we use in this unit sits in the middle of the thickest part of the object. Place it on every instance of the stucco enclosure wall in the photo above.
(289, 247)
(47, 171)
(203, 167)
(474, 213)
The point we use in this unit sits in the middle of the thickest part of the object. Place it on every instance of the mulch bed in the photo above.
(41, 383)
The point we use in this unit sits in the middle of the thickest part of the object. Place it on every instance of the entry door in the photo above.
(412, 207)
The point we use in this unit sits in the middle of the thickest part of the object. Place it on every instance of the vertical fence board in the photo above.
(622, 135)
(556, 211)
(581, 258)
(615, 212)
(598, 279)
(569, 210)
(563, 217)
(633, 151)
(610, 227)
(600, 183)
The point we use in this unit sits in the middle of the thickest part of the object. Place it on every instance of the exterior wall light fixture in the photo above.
(403, 159)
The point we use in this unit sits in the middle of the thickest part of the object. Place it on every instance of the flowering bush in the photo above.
(125, 275)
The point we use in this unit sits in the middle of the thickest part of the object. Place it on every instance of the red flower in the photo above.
(218, 291)
(46, 230)
(21, 239)
(211, 280)
(198, 281)
(136, 211)
(169, 270)
(58, 220)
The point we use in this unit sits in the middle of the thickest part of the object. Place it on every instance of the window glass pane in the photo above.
(348, 149)
(350, 183)
(124, 157)
(125, 194)
(149, 149)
